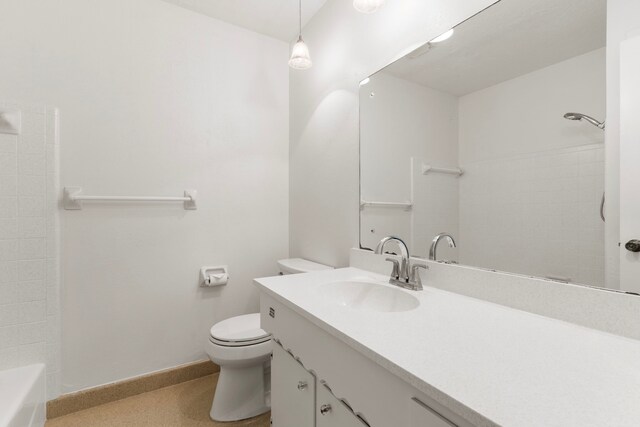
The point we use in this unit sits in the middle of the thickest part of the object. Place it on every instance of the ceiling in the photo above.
(274, 18)
(509, 39)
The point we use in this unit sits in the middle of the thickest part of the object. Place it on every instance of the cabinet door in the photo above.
(332, 412)
(292, 391)
(424, 416)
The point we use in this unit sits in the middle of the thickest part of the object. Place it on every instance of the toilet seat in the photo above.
(224, 343)
(238, 356)
(240, 331)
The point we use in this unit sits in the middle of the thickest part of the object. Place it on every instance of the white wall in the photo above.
(404, 125)
(530, 196)
(29, 243)
(346, 46)
(154, 99)
(623, 17)
(524, 115)
(630, 152)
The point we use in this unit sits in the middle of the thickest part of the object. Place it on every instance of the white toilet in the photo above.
(242, 351)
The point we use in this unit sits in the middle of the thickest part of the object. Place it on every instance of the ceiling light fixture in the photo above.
(300, 59)
(367, 6)
(442, 37)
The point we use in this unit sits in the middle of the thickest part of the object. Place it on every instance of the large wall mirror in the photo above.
(494, 134)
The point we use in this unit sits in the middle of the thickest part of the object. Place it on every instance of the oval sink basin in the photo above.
(369, 296)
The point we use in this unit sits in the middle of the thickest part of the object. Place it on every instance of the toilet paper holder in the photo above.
(214, 276)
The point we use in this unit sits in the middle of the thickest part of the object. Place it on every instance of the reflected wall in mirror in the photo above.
(471, 136)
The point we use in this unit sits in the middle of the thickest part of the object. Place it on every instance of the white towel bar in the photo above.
(428, 168)
(73, 199)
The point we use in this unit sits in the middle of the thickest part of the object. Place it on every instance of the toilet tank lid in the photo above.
(299, 265)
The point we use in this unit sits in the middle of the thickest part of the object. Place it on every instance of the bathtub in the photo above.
(22, 397)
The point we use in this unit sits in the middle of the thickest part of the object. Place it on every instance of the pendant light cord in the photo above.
(300, 18)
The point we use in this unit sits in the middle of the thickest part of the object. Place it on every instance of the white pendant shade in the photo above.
(300, 59)
(367, 6)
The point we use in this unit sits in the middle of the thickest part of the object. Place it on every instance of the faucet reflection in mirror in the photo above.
(436, 240)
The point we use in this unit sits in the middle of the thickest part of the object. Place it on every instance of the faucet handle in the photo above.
(395, 273)
(415, 275)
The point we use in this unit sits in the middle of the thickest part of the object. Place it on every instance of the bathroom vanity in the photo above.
(352, 350)
(487, 139)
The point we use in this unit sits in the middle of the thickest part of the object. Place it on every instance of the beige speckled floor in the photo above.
(186, 404)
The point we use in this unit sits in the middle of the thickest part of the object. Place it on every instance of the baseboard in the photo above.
(85, 399)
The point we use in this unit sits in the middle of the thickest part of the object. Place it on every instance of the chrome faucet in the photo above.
(436, 240)
(403, 274)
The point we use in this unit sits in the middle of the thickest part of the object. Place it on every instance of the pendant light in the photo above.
(367, 6)
(300, 59)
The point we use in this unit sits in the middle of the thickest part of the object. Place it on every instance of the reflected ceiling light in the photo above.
(365, 81)
(300, 59)
(442, 37)
(367, 6)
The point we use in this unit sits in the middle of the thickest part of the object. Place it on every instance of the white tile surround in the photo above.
(608, 311)
(546, 208)
(29, 282)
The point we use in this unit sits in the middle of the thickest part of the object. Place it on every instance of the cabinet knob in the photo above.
(633, 246)
(325, 409)
(302, 385)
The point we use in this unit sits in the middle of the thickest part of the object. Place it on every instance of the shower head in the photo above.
(580, 117)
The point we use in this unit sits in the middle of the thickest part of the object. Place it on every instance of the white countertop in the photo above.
(512, 367)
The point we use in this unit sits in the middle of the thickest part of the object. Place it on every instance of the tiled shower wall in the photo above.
(536, 214)
(29, 277)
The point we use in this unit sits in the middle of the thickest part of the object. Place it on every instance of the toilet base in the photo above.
(240, 394)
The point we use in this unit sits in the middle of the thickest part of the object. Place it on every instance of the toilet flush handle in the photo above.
(302, 385)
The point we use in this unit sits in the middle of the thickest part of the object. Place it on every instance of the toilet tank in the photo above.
(299, 265)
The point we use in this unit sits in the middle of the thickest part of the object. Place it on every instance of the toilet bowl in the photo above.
(242, 350)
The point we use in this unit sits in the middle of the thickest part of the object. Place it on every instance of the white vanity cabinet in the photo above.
(341, 375)
(293, 390)
(295, 396)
